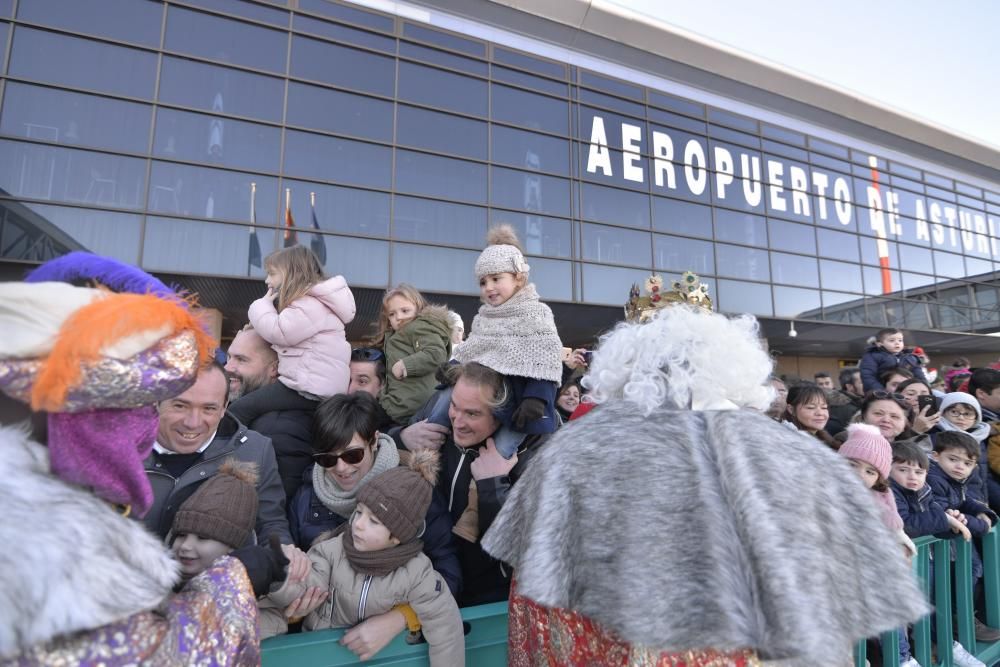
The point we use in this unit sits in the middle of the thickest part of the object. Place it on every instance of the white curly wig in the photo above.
(684, 357)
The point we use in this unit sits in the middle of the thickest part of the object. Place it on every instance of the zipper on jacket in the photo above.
(454, 480)
(364, 597)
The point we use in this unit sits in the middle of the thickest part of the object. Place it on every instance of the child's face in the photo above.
(496, 288)
(955, 463)
(399, 310)
(908, 475)
(866, 471)
(197, 553)
(962, 417)
(274, 278)
(368, 532)
(892, 343)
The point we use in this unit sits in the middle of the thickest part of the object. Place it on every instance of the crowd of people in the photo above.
(331, 486)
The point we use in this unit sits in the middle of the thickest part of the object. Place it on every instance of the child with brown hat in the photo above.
(377, 563)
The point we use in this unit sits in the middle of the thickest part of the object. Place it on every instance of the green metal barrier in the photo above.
(485, 645)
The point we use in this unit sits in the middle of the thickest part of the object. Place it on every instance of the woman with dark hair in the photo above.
(568, 399)
(808, 411)
(891, 414)
(922, 419)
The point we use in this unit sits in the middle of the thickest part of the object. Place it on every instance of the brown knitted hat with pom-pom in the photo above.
(400, 497)
(224, 507)
(502, 253)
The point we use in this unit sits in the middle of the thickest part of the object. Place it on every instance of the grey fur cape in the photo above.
(713, 529)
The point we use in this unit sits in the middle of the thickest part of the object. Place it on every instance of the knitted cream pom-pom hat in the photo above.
(502, 253)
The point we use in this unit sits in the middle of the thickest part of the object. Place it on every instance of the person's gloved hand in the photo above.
(264, 565)
(528, 411)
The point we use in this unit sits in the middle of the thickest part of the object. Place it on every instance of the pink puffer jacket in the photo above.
(308, 335)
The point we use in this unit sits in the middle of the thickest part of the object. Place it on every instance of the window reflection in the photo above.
(440, 177)
(603, 284)
(552, 278)
(529, 150)
(619, 207)
(439, 222)
(837, 245)
(737, 262)
(539, 235)
(671, 215)
(360, 261)
(441, 132)
(790, 236)
(878, 281)
(740, 297)
(81, 63)
(190, 246)
(342, 160)
(201, 192)
(338, 112)
(225, 40)
(435, 269)
(530, 191)
(841, 275)
(72, 118)
(426, 85)
(39, 232)
(616, 246)
(740, 227)
(125, 20)
(796, 303)
(220, 89)
(948, 265)
(338, 209)
(217, 140)
(678, 254)
(61, 174)
(360, 70)
(794, 270)
(530, 110)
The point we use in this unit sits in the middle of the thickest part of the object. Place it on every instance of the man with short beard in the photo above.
(253, 364)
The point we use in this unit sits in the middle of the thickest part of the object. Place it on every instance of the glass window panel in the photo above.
(530, 191)
(361, 70)
(603, 284)
(885, 313)
(739, 227)
(343, 34)
(435, 269)
(530, 81)
(837, 245)
(977, 268)
(441, 132)
(213, 139)
(72, 118)
(435, 87)
(7, 8)
(619, 207)
(613, 245)
(916, 283)
(346, 13)
(796, 303)
(986, 296)
(672, 215)
(36, 232)
(956, 319)
(841, 275)
(440, 177)
(741, 182)
(818, 160)
(787, 188)
(614, 176)
(539, 235)
(737, 262)
(350, 210)
(611, 102)
(903, 170)
(4, 36)
(81, 63)
(200, 192)
(969, 190)
(790, 236)
(209, 247)
(610, 85)
(554, 279)
(740, 297)
(676, 104)
(449, 60)
(530, 150)
(870, 249)
(732, 120)
(938, 181)
(245, 10)
(675, 120)
(612, 123)
(917, 315)
(828, 148)
(34, 171)
(339, 112)
(328, 158)
(733, 136)
(225, 40)
(360, 261)
(688, 181)
(846, 308)
(781, 134)
(956, 295)
(530, 110)
(126, 20)
(948, 265)
(900, 183)
(220, 89)
(433, 221)
(679, 254)
(914, 258)
(523, 61)
(449, 41)
(794, 270)
(787, 151)
(874, 277)
(944, 195)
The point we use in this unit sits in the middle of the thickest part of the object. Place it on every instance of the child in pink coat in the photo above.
(303, 316)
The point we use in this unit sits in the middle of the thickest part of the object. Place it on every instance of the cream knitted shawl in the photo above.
(518, 337)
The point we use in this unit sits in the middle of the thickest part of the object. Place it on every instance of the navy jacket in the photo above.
(877, 360)
(522, 388)
(308, 518)
(922, 513)
(966, 496)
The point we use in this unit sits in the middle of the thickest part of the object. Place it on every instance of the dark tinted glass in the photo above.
(794, 270)
(338, 209)
(6, 8)
(539, 235)
(81, 63)
(435, 269)
(675, 120)
(679, 254)
(29, 227)
(442, 132)
(530, 150)
(741, 297)
(530, 191)
(61, 174)
(345, 35)
(552, 278)
(447, 40)
(430, 221)
(603, 284)
(611, 102)
(225, 40)
(339, 112)
(220, 89)
(739, 227)
(360, 261)
(346, 13)
(341, 160)
(438, 88)
(737, 262)
(613, 245)
(522, 61)
(219, 249)
(519, 78)
(676, 104)
(530, 110)
(620, 207)
(681, 217)
(73, 118)
(783, 135)
(425, 54)
(4, 36)
(796, 303)
(610, 85)
(419, 173)
(126, 20)
(246, 10)
(200, 192)
(216, 140)
(354, 68)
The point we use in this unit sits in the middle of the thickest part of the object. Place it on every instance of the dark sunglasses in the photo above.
(366, 354)
(350, 457)
(886, 395)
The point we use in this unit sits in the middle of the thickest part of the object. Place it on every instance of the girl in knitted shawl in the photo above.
(515, 335)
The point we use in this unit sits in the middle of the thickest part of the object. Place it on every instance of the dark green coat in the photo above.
(423, 345)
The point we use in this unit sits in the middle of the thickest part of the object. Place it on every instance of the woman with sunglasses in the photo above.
(891, 414)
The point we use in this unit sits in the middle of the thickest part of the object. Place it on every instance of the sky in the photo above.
(935, 59)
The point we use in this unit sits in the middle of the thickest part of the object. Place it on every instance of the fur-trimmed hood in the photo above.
(69, 561)
(438, 317)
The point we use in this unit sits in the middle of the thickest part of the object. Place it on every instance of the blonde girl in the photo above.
(415, 338)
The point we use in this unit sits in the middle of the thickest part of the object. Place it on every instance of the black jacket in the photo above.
(878, 360)
(922, 513)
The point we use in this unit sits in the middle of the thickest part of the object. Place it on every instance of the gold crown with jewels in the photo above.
(688, 290)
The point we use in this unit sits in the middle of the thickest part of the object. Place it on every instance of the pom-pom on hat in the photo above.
(224, 507)
(502, 253)
(866, 443)
(400, 497)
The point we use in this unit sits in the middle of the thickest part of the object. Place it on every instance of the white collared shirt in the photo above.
(160, 449)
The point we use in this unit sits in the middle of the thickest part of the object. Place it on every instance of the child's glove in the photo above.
(528, 411)
(264, 565)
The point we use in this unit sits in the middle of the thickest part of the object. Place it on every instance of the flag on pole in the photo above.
(318, 243)
(291, 237)
(254, 255)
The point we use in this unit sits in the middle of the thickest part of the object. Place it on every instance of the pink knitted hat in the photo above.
(865, 443)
